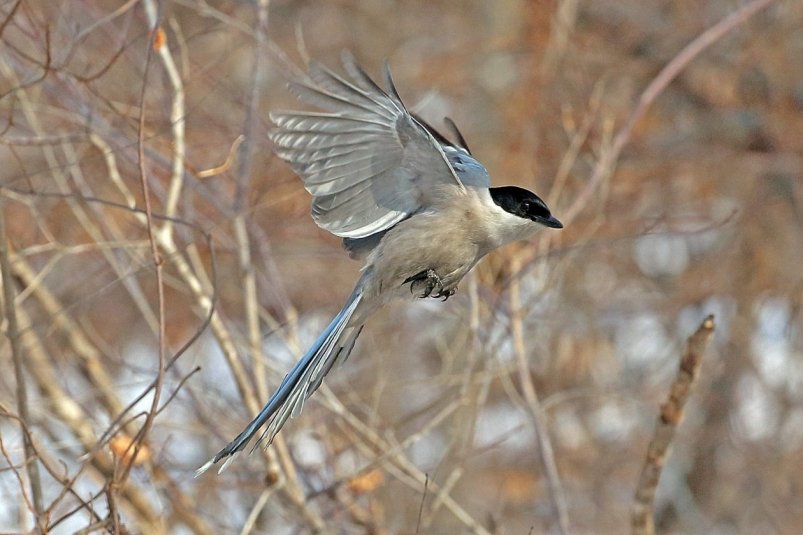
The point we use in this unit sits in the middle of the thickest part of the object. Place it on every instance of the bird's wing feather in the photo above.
(367, 161)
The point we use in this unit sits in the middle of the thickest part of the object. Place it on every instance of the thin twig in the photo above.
(252, 111)
(13, 333)
(421, 506)
(561, 28)
(256, 510)
(642, 521)
(88, 354)
(75, 418)
(177, 114)
(158, 265)
(535, 412)
(394, 460)
(445, 490)
(9, 17)
(16, 470)
(250, 301)
(227, 163)
(610, 155)
(61, 476)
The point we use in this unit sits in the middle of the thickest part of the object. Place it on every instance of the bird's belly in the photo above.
(406, 252)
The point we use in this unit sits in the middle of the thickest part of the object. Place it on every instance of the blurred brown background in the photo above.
(425, 429)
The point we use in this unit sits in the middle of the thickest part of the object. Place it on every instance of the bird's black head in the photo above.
(523, 203)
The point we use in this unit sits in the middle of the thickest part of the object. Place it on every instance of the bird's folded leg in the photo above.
(430, 279)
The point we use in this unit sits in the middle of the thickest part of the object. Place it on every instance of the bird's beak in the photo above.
(551, 221)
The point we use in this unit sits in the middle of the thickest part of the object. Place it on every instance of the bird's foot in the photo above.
(445, 294)
(430, 280)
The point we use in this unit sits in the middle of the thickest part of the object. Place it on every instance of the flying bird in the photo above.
(418, 208)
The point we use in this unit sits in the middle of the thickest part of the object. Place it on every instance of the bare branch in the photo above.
(177, 119)
(158, 265)
(610, 155)
(13, 334)
(535, 412)
(642, 521)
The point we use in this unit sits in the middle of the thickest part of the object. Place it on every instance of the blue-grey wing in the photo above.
(367, 162)
(467, 168)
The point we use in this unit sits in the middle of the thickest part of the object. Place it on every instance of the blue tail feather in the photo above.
(333, 345)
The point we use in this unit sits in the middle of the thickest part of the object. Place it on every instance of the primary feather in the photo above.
(367, 161)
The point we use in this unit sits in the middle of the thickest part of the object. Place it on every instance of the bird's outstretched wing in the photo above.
(367, 161)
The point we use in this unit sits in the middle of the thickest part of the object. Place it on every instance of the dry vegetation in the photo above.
(160, 273)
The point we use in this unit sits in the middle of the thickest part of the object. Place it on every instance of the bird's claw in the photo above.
(431, 282)
(445, 294)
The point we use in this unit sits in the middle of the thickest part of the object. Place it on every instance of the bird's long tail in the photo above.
(332, 346)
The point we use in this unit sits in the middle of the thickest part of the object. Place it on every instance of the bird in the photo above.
(417, 208)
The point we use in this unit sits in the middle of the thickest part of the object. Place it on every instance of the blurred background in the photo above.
(430, 427)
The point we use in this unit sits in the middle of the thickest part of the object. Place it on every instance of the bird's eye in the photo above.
(525, 207)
